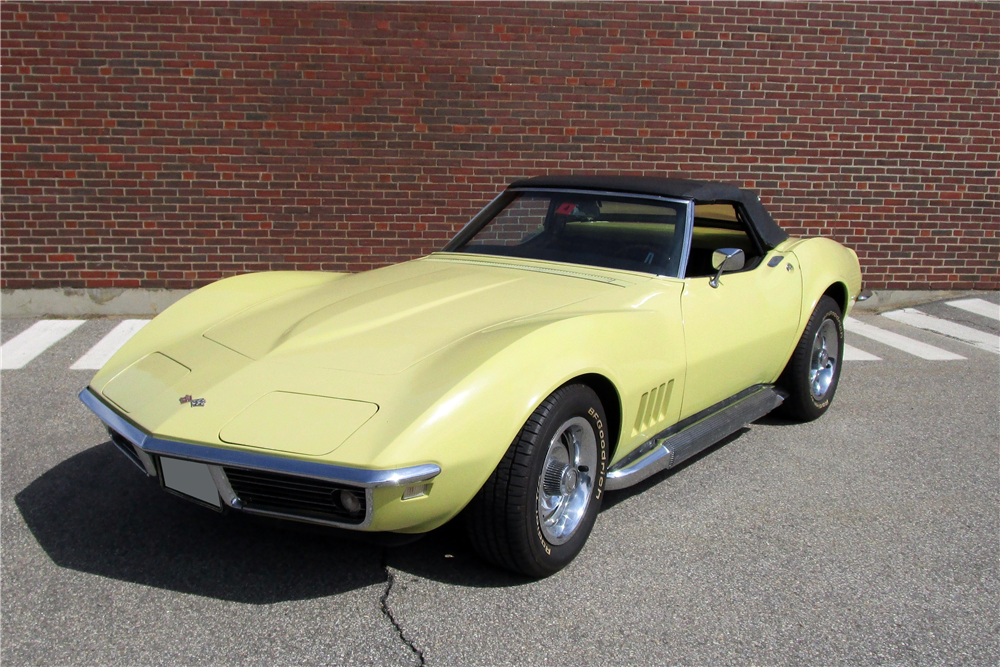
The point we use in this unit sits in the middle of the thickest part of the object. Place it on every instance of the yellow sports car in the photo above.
(580, 334)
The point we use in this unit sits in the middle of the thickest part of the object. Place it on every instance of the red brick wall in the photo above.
(173, 144)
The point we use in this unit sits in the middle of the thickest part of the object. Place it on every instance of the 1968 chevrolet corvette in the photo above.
(577, 336)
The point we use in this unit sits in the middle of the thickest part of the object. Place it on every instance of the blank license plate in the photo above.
(191, 479)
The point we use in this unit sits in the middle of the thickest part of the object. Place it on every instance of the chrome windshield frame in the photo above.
(498, 203)
(682, 265)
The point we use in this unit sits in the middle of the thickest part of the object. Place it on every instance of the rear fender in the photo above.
(824, 263)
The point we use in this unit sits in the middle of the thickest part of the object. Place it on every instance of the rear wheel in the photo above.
(537, 509)
(813, 372)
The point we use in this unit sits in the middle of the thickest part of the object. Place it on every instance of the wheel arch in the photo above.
(838, 292)
(610, 400)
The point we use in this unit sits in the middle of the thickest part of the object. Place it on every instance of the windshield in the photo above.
(611, 231)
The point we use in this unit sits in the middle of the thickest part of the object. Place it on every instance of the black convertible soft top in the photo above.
(678, 188)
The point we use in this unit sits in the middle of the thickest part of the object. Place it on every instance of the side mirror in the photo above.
(726, 260)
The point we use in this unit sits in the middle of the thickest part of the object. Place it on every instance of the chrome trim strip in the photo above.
(226, 492)
(682, 266)
(493, 202)
(660, 458)
(674, 445)
(485, 212)
(644, 449)
(131, 452)
(147, 461)
(322, 522)
(241, 459)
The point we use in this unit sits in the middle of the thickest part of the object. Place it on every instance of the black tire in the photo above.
(813, 372)
(503, 520)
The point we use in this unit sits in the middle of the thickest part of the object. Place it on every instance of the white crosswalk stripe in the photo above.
(892, 339)
(854, 354)
(921, 320)
(40, 336)
(98, 355)
(978, 307)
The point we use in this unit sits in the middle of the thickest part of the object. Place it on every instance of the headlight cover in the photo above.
(303, 424)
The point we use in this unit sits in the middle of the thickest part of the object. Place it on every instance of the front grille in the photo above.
(296, 496)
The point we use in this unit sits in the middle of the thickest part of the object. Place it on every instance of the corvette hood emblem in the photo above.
(195, 402)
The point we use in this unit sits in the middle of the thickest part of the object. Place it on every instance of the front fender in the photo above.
(513, 369)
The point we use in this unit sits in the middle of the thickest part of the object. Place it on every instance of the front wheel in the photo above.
(537, 509)
(812, 374)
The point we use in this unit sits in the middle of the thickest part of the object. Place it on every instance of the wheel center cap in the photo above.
(570, 478)
(823, 358)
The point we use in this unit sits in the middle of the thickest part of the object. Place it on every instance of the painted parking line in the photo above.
(40, 336)
(914, 347)
(98, 355)
(978, 306)
(854, 354)
(921, 320)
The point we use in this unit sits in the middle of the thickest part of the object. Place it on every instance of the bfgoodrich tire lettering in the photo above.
(813, 372)
(537, 509)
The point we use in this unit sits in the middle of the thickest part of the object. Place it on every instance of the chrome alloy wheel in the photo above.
(824, 359)
(567, 480)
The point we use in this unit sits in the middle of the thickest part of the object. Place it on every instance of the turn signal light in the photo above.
(415, 491)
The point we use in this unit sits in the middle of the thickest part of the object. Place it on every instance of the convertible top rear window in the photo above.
(611, 231)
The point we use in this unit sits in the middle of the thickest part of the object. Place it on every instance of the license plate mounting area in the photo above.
(190, 479)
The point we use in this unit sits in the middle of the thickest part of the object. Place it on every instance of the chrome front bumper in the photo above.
(144, 450)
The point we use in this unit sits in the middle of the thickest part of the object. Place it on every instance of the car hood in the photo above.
(384, 321)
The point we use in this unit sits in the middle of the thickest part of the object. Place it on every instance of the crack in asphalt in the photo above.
(390, 580)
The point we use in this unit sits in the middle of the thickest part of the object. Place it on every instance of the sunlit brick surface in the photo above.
(173, 144)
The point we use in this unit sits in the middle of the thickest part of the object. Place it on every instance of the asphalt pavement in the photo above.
(869, 536)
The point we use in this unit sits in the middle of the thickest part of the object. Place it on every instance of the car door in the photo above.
(740, 333)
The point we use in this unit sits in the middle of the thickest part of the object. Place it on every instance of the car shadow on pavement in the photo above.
(445, 555)
(96, 513)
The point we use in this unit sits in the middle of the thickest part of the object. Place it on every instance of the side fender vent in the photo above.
(653, 407)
